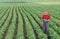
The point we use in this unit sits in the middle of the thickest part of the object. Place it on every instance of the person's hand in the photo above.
(47, 20)
(44, 20)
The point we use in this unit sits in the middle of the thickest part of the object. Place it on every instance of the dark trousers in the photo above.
(45, 27)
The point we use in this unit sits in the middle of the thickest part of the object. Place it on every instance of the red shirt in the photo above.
(46, 17)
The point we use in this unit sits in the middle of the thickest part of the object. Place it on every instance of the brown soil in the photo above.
(16, 26)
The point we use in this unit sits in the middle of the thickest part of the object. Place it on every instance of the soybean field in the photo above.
(24, 22)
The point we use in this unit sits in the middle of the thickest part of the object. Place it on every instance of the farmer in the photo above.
(46, 19)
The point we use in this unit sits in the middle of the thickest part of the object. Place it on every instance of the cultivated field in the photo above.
(24, 22)
(48, 3)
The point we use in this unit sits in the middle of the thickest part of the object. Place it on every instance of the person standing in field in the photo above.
(46, 19)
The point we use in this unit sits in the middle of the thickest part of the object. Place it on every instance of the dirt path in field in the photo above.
(6, 30)
(4, 14)
(36, 34)
(24, 25)
(5, 19)
(16, 26)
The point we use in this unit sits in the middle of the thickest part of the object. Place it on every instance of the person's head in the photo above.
(45, 13)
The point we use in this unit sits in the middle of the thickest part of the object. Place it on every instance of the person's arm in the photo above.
(48, 19)
(43, 17)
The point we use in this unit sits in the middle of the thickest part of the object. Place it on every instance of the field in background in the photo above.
(48, 3)
(23, 21)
